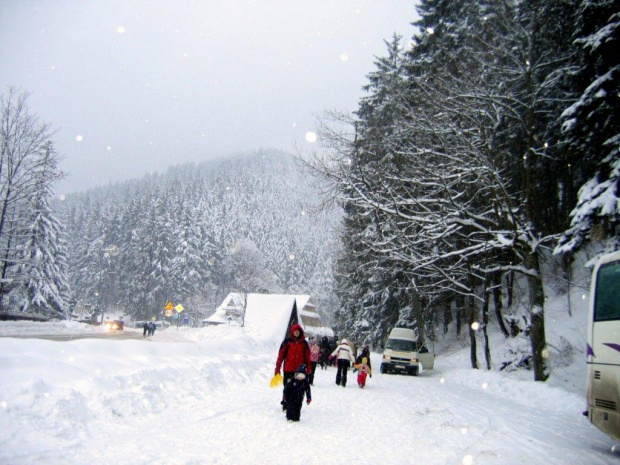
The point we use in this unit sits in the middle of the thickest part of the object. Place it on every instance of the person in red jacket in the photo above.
(294, 351)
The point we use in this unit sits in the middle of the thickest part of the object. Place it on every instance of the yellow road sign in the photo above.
(168, 306)
(179, 308)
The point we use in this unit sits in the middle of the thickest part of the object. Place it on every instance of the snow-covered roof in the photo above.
(302, 301)
(267, 316)
(319, 331)
(232, 301)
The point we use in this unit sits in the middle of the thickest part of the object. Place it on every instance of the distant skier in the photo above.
(344, 358)
(294, 390)
(294, 351)
(362, 365)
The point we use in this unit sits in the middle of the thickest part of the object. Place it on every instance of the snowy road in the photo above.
(118, 335)
(127, 402)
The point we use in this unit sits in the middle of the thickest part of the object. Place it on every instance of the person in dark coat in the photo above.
(145, 327)
(325, 350)
(294, 390)
(294, 351)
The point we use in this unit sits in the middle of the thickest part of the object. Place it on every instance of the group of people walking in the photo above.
(298, 359)
(148, 328)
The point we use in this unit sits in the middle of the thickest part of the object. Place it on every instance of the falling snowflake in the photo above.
(311, 137)
(79, 138)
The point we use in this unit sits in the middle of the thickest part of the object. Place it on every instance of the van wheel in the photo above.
(415, 371)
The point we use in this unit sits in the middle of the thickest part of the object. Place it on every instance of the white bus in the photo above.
(603, 349)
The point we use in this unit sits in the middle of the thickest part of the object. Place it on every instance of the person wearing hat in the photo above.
(344, 358)
(294, 351)
(362, 364)
(294, 391)
(315, 353)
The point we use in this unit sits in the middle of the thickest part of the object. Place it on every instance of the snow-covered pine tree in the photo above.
(41, 285)
(31, 247)
(591, 128)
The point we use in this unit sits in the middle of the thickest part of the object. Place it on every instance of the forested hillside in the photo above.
(250, 223)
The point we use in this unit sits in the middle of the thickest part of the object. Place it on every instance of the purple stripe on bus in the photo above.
(613, 346)
(589, 351)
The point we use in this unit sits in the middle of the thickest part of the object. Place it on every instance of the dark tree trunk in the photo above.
(447, 317)
(460, 304)
(537, 318)
(485, 322)
(510, 280)
(568, 276)
(417, 311)
(472, 333)
(497, 302)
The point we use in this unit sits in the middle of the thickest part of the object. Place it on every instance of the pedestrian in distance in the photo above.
(294, 391)
(325, 350)
(362, 365)
(145, 328)
(315, 353)
(294, 351)
(344, 358)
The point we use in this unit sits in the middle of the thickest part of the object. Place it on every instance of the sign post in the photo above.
(179, 309)
(168, 309)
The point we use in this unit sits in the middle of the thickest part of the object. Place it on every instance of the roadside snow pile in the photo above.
(31, 328)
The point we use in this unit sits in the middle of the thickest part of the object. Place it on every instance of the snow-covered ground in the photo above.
(201, 396)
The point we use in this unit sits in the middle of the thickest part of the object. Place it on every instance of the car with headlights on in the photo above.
(114, 324)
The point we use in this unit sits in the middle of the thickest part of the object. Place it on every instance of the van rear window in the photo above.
(400, 344)
(606, 300)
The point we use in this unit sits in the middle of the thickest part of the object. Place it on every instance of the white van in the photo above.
(402, 354)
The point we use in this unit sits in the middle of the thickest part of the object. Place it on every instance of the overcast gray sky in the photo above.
(136, 86)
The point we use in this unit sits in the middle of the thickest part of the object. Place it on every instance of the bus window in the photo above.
(606, 301)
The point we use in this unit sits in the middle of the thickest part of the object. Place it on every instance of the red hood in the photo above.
(301, 331)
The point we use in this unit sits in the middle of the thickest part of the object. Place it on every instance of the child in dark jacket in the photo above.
(294, 391)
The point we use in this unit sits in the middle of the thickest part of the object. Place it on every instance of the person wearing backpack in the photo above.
(294, 351)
